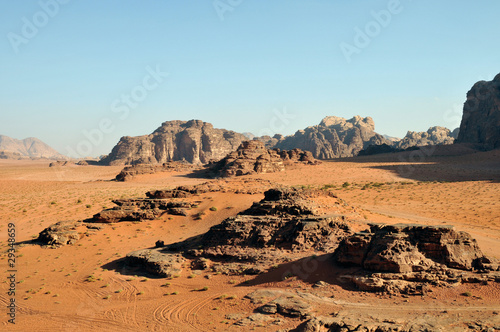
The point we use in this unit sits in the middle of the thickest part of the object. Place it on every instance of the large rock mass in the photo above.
(334, 137)
(284, 225)
(481, 118)
(410, 248)
(253, 157)
(194, 141)
(433, 136)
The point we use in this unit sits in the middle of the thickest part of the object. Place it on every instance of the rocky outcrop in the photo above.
(481, 118)
(194, 141)
(433, 136)
(141, 209)
(410, 248)
(334, 137)
(65, 233)
(130, 172)
(252, 157)
(404, 258)
(29, 147)
(286, 224)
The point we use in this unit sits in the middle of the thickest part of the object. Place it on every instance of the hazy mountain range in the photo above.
(30, 147)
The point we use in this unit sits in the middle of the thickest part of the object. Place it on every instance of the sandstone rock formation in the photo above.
(433, 136)
(141, 209)
(250, 157)
(409, 248)
(334, 137)
(403, 258)
(65, 232)
(194, 141)
(129, 172)
(253, 157)
(282, 226)
(481, 118)
(29, 147)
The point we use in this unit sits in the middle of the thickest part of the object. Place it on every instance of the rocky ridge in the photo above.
(433, 136)
(334, 137)
(284, 225)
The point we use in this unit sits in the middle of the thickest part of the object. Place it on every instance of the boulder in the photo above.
(61, 233)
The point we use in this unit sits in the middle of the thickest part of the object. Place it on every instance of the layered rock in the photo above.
(433, 136)
(283, 225)
(403, 258)
(252, 157)
(481, 117)
(193, 141)
(141, 209)
(334, 137)
(409, 248)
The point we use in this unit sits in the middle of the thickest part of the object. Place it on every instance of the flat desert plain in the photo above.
(82, 288)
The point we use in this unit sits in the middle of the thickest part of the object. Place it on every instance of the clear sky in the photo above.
(79, 74)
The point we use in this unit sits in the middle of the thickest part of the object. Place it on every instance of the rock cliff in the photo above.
(334, 137)
(194, 141)
(481, 118)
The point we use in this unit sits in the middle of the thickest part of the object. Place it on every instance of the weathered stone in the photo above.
(433, 136)
(194, 141)
(409, 248)
(481, 117)
(286, 306)
(155, 261)
(334, 137)
(61, 233)
(129, 172)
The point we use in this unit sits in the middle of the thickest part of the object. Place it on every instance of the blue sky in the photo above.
(68, 66)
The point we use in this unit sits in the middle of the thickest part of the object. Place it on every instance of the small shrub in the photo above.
(213, 208)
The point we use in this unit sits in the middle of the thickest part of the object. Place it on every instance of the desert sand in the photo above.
(82, 287)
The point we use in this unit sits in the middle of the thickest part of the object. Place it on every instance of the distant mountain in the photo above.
(334, 137)
(194, 141)
(433, 136)
(28, 148)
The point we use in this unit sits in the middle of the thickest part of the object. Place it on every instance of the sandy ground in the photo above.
(54, 291)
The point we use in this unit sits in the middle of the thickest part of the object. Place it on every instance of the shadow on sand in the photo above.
(450, 163)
